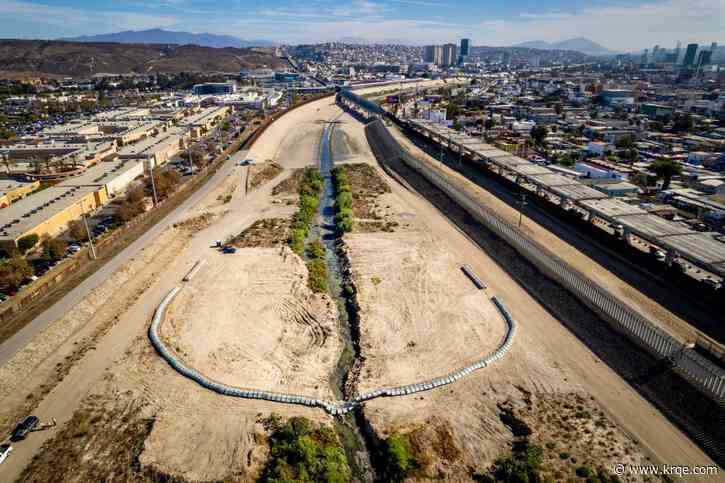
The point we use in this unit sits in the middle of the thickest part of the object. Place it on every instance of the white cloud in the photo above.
(618, 27)
(69, 20)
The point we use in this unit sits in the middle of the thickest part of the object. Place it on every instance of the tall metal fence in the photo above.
(706, 376)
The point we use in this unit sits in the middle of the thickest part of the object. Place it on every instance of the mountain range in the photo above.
(579, 44)
(85, 59)
(160, 36)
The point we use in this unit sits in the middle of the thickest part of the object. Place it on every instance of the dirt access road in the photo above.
(66, 353)
(186, 448)
(554, 357)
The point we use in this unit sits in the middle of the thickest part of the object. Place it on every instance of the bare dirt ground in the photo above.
(122, 307)
(249, 320)
(265, 233)
(458, 430)
(652, 310)
(118, 403)
(442, 323)
(263, 173)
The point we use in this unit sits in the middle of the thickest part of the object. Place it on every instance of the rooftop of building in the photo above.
(26, 214)
(101, 173)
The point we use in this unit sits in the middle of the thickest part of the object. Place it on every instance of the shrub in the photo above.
(13, 272)
(523, 466)
(317, 279)
(316, 250)
(54, 249)
(583, 472)
(398, 460)
(298, 451)
(310, 188)
(28, 242)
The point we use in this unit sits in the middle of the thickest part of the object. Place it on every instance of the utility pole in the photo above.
(188, 152)
(153, 186)
(522, 203)
(88, 232)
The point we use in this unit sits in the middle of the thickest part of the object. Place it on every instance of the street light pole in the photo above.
(521, 208)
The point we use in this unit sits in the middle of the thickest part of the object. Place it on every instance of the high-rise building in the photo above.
(704, 58)
(655, 53)
(713, 53)
(434, 54)
(465, 51)
(678, 50)
(690, 55)
(450, 56)
(465, 47)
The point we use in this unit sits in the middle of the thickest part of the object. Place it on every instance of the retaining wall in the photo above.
(704, 375)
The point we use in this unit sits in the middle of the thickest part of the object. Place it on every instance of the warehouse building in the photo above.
(12, 190)
(48, 212)
(155, 151)
(114, 176)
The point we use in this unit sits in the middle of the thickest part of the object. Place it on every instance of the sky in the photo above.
(618, 25)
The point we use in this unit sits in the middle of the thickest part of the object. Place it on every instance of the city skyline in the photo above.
(415, 22)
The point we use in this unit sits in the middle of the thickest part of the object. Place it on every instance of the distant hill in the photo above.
(160, 36)
(80, 59)
(580, 44)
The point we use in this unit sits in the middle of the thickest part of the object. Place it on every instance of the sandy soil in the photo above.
(249, 320)
(547, 364)
(651, 309)
(199, 435)
(444, 322)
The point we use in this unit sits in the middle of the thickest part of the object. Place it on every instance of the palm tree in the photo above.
(666, 169)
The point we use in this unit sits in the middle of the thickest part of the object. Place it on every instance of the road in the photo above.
(57, 310)
(683, 316)
(293, 142)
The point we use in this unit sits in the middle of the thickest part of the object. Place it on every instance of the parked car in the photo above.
(26, 426)
(229, 249)
(5, 450)
(713, 284)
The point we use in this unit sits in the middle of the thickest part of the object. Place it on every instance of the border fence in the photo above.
(704, 375)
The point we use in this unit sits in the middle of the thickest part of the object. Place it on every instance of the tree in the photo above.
(28, 242)
(683, 123)
(54, 249)
(77, 231)
(13, 272)
(625, 142)
(538, 134)
(490, 123)
(666, 169)
(165, 182)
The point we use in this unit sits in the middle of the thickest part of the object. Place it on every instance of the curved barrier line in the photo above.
(332, 407)
(703, 374)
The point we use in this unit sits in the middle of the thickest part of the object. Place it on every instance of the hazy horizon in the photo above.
(415, 22)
